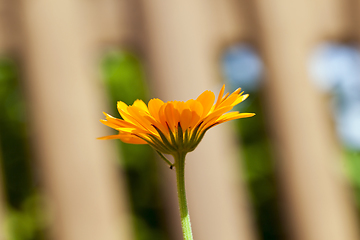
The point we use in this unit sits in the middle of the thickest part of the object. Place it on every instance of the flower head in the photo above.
(174, 126)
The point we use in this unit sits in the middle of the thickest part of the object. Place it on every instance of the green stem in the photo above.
(180, 179)
(165, 159)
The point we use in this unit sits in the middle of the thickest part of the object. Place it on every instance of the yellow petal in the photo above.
(111, 119)
(214, 116)
(160, 126)
(123, 110)
(221, 93)
(115, 121)
(138, 114)
(231, 99)
(122, 105)
(154, 107)
(233, 115)
(140, 104)
(180, 106)
(129, 118)
(117, 136)
(240, 99)
(206, 99)
(109, 124)
(130, 130)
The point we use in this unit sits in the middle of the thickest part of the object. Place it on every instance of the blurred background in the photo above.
(292, 172)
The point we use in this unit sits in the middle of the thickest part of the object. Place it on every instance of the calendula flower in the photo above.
(174, 126)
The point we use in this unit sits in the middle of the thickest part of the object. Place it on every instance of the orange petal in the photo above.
(154, 107)
(170, 116)
(128, 138)
(138, 114)
(162, 117)
(206, 99)
(185, 119)
(197, 110)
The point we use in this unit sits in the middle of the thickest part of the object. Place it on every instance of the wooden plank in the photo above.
(116, 22)
(85, 195)
(318, 207)
(231, 21)
(4, 40)
(182, 57)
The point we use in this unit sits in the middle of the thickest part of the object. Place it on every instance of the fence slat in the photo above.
(231, 22)
(309, 158)
(66, 104)
(182, 56)
(115, 21)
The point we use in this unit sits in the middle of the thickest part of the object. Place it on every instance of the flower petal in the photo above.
(123, 110)
(211, 118)
(231, 99)
(206, 99)
(197, 110)
(154, 107)
(185, 119)
(138, 114)
(171, 116)
(221, 93)
(129, 138)
(240, 99)
(140, 104)
(233, 115)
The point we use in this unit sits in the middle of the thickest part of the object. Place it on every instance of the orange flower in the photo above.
(174, 126)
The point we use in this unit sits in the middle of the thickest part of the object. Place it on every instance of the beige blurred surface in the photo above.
(181, 44)
(119, 23)
(86, 197)
(318, 207)
(4, 26)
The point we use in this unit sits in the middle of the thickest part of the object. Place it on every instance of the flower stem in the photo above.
(180, 179)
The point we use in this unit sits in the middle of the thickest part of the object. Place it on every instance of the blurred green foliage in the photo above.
(22, 221)
(259, 169)
(124, 78)
(352, 166)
